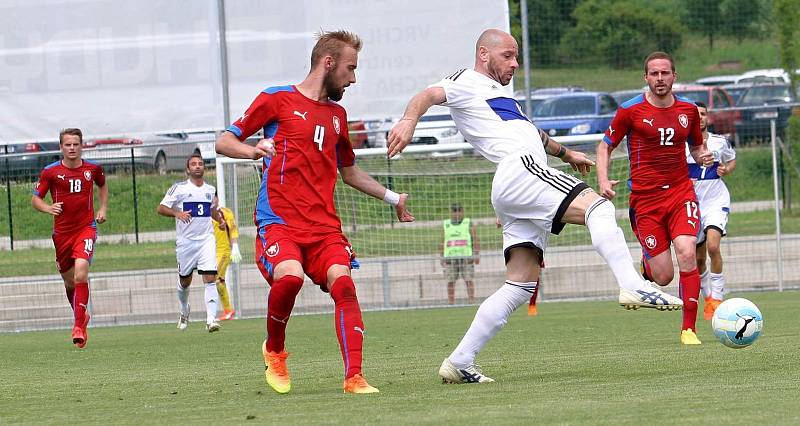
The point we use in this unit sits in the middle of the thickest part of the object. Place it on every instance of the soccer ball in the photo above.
(737, 323)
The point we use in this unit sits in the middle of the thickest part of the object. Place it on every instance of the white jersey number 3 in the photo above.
(319, 135)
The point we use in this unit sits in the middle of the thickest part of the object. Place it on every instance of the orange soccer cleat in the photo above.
(79, 334)
(532, 311)
(357, 384)
(275, 371)
(709, 307)
(227, 315)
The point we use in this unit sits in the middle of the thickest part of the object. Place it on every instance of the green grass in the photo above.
(575, 363)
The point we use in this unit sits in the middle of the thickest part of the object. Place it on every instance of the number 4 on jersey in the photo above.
(319, 135)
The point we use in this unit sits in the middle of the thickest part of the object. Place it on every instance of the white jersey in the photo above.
(197, 200)
(707, 183)
(490, 120)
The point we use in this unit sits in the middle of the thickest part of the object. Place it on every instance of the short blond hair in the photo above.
(72, 131)
(659, 55)
(330, 43)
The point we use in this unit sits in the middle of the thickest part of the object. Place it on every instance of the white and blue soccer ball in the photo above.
(737, 323)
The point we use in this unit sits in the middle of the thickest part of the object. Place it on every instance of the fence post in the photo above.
(777, 204)
(8, 198)
(135, 199)
(387, 297)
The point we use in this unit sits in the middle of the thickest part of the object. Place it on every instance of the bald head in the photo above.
(496, 55)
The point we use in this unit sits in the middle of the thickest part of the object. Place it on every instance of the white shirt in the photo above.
(489, 118)
(186, 196)
(707, 183)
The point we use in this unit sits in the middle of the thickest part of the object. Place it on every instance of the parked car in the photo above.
(160, 153)
(539, 95)
(357, 131)
(36, 156)
(577, 113)
(718, 80)
(721, 116)
(775, 75)
(735, 91)
(760, 104)
(622, 96)
(436, 127)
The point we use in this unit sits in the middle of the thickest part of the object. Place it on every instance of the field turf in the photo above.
(575, 363)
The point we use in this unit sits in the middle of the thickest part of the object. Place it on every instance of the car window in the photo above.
(695, 95)
(720, 100)
(573, 105)
(607, 104)
(759, 95)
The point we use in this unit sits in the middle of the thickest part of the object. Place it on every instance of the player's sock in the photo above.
(348, 323)
(492, 315)
(690, 291)
(81, 299)
(212, 302)
(280, 302)
(224, 297)
(183, 298)
(609, 241)
(717, 285)
(705, 286)
(70, 296)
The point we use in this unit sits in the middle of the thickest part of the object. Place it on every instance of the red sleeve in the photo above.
(261, 113)
(345, 157)
(99, 176)
(41, 188)
(619, 127)
(695, 134)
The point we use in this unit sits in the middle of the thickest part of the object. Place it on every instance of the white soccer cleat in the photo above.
(213, 326)
(649, 297)
(451, 374)
(183, 320)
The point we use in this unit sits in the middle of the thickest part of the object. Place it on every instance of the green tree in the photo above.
(704, 17)
(742, 18)
(547, 22)
(618, 33)
(787, 17)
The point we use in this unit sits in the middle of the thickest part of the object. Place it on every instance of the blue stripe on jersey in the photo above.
(507, 109)
(726, 209)
(633, 101)
(684, 99)
(198, 208)
(270, 130)
(53, 164)
(608, 140)
(89, 161)
(264, 213)
(235, 130)
(276, 89)
(696, 172)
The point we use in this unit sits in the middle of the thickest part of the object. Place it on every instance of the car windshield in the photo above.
(573, 105)
(694, 95)
(735, 93)
(437, 117)
(759, 95)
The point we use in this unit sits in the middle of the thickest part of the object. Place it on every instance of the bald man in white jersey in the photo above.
(530, 198)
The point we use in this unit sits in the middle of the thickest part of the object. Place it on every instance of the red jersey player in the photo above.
(305, 142)
(663, 205)
(71, 185)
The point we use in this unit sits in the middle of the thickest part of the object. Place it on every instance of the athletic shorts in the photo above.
(530, 200)
(74, 245)
(454, 268)
(197, 254)
(714, 210)
(274, 244)
(657, 217)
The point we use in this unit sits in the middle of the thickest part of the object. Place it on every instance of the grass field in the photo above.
(575, 363)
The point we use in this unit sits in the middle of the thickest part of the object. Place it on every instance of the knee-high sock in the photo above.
(348, 323)
(224, 296)
(212, 302)
(81, 299)
(492, 315)
(183, 298)
(717, 285)
(609, 241)
(690, 291)
(70, 296)
(282, 294)
(705, 286)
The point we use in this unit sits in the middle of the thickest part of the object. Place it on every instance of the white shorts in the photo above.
(197, 254)
(530, 199)
(712, 217)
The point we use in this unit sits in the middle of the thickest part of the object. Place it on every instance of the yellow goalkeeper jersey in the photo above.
(231, 231)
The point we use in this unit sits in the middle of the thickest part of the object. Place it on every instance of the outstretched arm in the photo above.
(578, 160)
(603, 163)
(401, 133)
(362, 181)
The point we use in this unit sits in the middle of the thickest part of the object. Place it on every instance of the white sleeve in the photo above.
(171, 197)
(727, 154)
(457, 93)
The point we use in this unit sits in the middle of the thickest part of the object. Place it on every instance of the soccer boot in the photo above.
(227, 315)
(532, 310)
(451, 374)
(213, 326)
(84, 337)
(183, 320)
(689, 338)
(275, 371)
(649, 297)
(709, 307)
(357, 384)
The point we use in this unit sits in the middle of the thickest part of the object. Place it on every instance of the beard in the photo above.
(334, 93)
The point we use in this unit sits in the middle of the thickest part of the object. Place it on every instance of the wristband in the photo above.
(391, 197)
(561, 152)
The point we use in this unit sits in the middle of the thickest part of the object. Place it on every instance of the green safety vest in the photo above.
(457, 239)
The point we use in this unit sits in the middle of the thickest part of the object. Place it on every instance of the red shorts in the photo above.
(274, 244)
(78, 244)
(658, 217)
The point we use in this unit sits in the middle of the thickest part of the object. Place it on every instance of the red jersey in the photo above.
(657, 140)
(73, 187)
(311, 142)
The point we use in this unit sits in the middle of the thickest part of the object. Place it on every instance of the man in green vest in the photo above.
(460, 252)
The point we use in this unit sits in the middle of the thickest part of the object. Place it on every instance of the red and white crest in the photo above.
(650, 242)
(684, 120)
(87, 174)
(273, 250)
(336, 124)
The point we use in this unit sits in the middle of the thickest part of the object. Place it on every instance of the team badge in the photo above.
(209, 196)
(273, 250)
(87, 174)
(650, 242)
(684, 120)
(336, 124)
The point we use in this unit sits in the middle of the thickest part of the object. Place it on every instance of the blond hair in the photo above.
(330, 43)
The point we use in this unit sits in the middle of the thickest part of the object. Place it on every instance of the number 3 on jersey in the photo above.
(319, 135)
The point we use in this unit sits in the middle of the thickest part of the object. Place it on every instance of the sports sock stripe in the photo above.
(529, 287)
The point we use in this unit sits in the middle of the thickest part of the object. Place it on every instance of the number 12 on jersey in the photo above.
(666, 135)
(319, 135)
